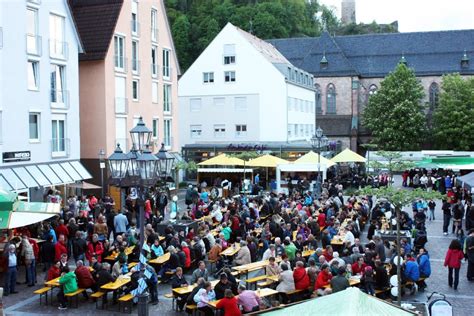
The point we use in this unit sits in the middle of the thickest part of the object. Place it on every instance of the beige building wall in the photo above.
(98, 94)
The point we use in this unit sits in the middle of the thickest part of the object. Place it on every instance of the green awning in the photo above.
(457, 163)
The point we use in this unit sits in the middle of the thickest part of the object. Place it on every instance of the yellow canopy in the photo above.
(348, 155)
(222, 160)
(268, 161)
(312, 157)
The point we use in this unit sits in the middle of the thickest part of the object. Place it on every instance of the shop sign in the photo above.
(15, 156)
(246, 147)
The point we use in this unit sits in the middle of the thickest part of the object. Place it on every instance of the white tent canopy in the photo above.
(300, 167)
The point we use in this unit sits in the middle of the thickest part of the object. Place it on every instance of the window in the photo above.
(319, 108)
(290, 104)
(119, 46)
(135, 61)
(208, 77)
(219, 130)
(167, 133)
(167, 98)
(372, 90)
(154, 27)
(331, 99)
(220, 102)
(135, 90)
(33, 75)
(154, 126)
(290, 128)
(166, 64)
(154, 92)
(195, 104)
(135, 25)
(58, 92)
(196, 131)
(58, 137)
(433, 95)
(229, 76)
(296, 129)
(34, 124)
(240, 103)
(240, 130)
(154, 61)
(229, 54)
(57, 46)
(33, 41)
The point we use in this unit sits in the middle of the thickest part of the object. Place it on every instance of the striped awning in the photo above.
(42, 175)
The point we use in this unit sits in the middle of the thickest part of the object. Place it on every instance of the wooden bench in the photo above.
(43, 292)
(381, 291)
(266, 283)
(126, 301)
(256, 279)
(96, 296)
(171, 295)
(76, 295)
(191, 309)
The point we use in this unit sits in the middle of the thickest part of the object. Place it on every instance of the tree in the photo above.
(181, 31)
(395, 113)
(453, 117)
(400, 198)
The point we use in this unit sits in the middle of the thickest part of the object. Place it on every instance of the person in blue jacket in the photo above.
(424, 265)
(411, 271)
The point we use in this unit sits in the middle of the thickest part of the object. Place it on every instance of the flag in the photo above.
(142, 258)
(146, 247)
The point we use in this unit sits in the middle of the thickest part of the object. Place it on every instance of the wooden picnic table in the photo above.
(260, 292)
(117, 284)
(161, 259)
(231, 250)
(307, 252)
(253, 266)
(53, 282)
(337, 240)
(188, 289)
(115, 254)
(352, 282)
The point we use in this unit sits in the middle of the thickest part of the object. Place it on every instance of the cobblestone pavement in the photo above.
(26, 303)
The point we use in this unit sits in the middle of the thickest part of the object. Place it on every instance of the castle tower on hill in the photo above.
(348, 12)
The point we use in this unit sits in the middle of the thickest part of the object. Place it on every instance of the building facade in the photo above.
(349, 69)
(129, 70)
(243, 93)
(39, 97)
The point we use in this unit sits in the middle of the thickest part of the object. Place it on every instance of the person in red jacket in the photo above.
(322, 219)
(328, 253)
(359, 266)
(229, 304)
(62, 229)
(94, 248)
(53, 272)
(453, 258)
(322, 281)
(60, 248)
(300, 276)
(187, 252)
(84, 277)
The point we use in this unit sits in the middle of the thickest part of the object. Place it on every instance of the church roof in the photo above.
(375, 55)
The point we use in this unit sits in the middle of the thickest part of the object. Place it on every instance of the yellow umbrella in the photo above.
(348, 155)
(267, 161)
(222, 160)
(312, 157)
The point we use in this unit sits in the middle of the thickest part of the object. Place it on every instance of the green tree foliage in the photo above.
(395, 113)
(453, 117)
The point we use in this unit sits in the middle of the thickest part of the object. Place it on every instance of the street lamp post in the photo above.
(102, 167)
(142, 170)
(317, 141)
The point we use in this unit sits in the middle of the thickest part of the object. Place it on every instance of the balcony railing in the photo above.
(167, 72)
(154, 34)
(120, 63)
(136, 66)
(121, 105)
(33, 44)
(154, 70)
(135, 27)
(58, 49)
(59, 99)
(60, 147)
(123, 143)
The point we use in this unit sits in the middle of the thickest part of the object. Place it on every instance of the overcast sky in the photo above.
(414, 15)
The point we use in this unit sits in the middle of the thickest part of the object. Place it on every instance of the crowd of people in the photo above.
(275, 227)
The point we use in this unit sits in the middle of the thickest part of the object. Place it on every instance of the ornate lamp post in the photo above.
(317, 141)
(141, 169)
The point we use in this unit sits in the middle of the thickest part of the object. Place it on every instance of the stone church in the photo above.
(348, 70)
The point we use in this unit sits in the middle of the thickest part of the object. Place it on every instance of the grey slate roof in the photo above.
(375, 55)
(95, 21)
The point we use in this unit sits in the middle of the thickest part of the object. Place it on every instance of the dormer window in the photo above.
(464, 60)
(403, 60)
(324, 62)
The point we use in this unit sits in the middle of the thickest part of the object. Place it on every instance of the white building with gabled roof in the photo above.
(242, 90)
